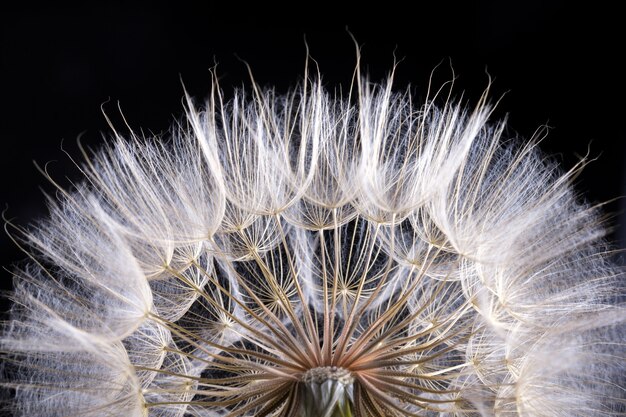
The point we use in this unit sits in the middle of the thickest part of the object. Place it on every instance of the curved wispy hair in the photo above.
(318, 255)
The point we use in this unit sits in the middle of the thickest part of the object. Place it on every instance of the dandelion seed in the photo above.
(318, 255)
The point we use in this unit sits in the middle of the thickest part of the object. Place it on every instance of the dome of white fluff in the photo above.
(203, 272)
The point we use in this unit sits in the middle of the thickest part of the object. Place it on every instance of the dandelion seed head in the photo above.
(318, 254)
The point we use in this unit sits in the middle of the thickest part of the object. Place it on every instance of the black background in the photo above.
(558, 65)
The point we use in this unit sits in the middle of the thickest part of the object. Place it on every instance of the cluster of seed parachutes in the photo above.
(317, 255)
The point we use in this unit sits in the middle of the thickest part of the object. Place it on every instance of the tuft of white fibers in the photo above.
(319, 255)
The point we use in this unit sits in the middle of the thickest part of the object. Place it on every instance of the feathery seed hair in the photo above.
(318, 255)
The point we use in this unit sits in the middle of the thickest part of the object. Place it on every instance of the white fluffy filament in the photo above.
(311, 253)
